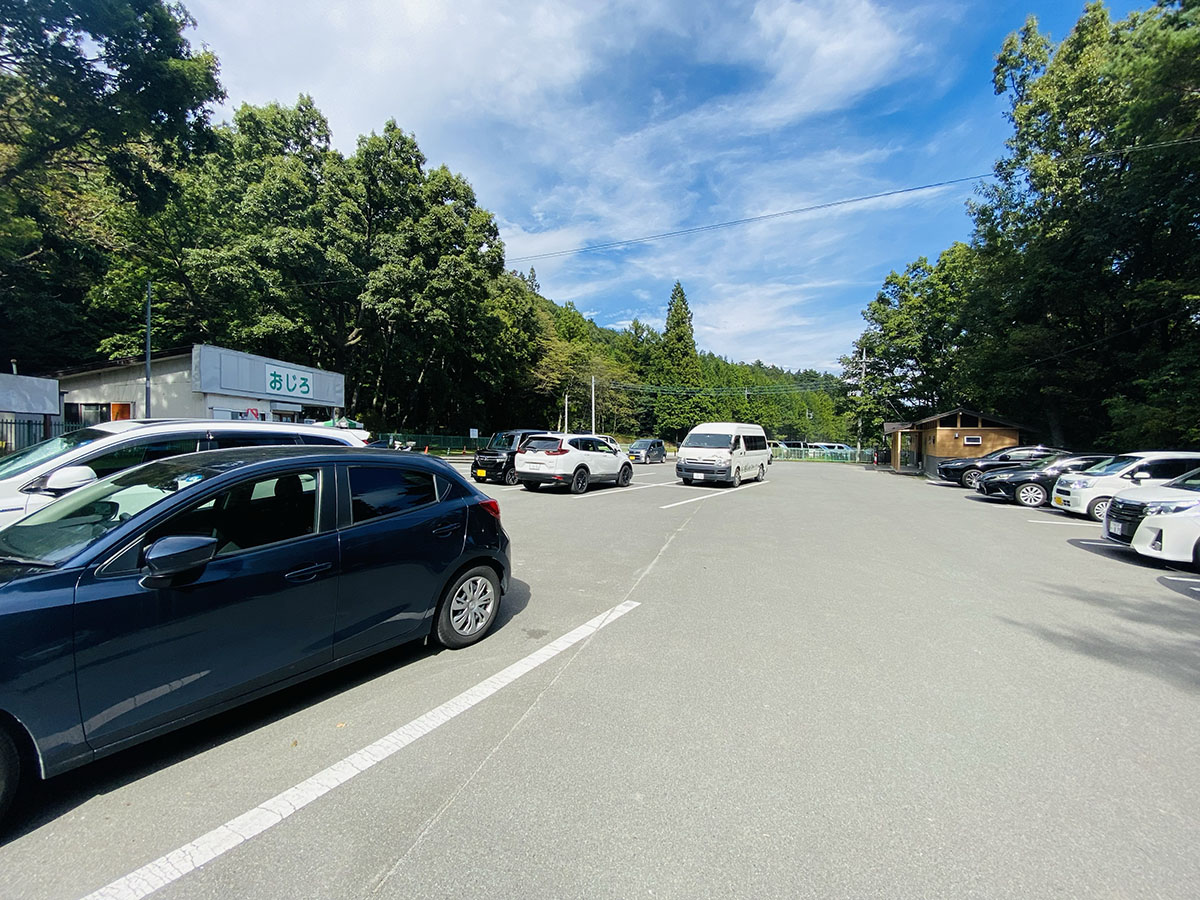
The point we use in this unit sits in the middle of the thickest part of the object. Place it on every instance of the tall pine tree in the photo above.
(678, 370)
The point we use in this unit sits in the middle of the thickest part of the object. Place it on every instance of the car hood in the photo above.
(1156, 494)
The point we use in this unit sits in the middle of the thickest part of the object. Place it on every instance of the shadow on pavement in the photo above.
(41, 802)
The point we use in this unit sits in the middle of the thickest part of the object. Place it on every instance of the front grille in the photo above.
(1126, 511)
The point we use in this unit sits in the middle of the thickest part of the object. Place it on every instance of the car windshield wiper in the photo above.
(21, 561)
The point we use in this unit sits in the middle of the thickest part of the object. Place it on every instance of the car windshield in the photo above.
(59, 531)
(708, 441)
(503, 440)
(1050, 462)
(1113, 466)
(1188, 481)
(24, 460)
(639, 445)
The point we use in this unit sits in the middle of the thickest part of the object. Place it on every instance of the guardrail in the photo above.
(813, 455)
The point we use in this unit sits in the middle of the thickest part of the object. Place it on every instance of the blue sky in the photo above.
(583, 123)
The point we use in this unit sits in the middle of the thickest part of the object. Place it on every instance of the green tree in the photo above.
(676, 368)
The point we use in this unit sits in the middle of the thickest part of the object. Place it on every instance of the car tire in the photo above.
(468, 608)
(1097, 508)
(510, 476)
(478, 480)
(762, 472)
(737, 478)
(530, 485)
(970, 479)
(579, 481)
(1031, 495)
(10, 771)
(624, 476)
(686, 480)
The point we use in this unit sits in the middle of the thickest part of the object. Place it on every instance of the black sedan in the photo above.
(1030, 484)
(497, 461)
(967, 472)
(187, 586)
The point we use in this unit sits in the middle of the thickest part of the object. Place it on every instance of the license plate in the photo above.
(698, 476)
(533, 465)
(1118, 528)
(482, 473)
(1059, 501)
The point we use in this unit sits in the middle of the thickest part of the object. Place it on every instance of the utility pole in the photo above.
(593, 404)
(148, 288)
(862, 383)
(567, 413)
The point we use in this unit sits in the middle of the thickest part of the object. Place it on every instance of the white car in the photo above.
(1087, 493)
(1162, 522)
(38, 475)
(575, 460)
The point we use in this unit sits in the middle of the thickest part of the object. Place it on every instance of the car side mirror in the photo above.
(65, 480)
(176, 555)
(1004, 457)
(1138, 476)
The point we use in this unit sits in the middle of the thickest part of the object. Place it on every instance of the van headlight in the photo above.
(1166, 507)
(1078, 482)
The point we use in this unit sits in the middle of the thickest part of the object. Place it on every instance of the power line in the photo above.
(759, 390)
(610, 245)
(763, 218)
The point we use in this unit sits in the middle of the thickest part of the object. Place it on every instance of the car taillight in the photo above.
(559, 452)
(520, 449)
(491, 506)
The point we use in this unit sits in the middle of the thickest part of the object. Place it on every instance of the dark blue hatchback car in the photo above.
(190, 585)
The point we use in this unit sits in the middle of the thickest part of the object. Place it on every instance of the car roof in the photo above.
(168, 426)
(240, 458)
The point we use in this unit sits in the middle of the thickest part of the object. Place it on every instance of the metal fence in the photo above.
(17, 434)
(437, 443)
(865, 455)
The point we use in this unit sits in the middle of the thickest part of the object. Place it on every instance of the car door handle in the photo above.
(308, 573)
(446, 530)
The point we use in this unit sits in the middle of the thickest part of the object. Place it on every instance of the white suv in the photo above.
(38, 475)
(572, 459)
(1087, 493)
(1162, 522)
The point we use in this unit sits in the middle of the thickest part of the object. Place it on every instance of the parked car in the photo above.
(1087, 493)
(1160, 522)
(495, 462)
(967, 472)
(38, 475)
(167, 593)
(724, 452)
(1030, 484)
(571, 459)
(648, 450)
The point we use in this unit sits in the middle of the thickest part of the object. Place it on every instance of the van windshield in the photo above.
(1113, 466)
(708, 441)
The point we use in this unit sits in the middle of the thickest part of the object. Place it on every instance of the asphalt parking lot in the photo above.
(836, 683)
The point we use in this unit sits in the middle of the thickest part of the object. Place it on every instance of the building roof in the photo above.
(891, 427)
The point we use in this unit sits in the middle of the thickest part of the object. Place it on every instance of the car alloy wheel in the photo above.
(737, 477)
(762, 472)
(1031, 495)
(1098, 508)
(579, 481)
(510, 476)
(970, 478)
(624, 476)
(468, 607)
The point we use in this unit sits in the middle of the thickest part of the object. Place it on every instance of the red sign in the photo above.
(252, 413)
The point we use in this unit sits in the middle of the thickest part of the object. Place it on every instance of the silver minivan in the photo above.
(38, 475)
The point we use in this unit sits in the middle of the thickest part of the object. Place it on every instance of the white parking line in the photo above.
(1177, 578)
(620, 490)
(167, 869)
(722, 493)
(1049, 522)
(1101, 543)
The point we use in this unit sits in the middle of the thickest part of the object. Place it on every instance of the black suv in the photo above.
(495, 461)
(967, 472)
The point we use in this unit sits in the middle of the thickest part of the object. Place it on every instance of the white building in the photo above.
(206, 383)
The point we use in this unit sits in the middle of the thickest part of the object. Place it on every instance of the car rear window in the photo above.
(542, 443)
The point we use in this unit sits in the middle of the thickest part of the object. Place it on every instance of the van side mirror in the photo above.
(1138, 476)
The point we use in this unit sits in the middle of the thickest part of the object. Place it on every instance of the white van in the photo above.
(1087, 493)
(38, 475)
(729, 452)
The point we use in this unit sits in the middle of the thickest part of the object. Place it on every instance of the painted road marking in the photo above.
(723, 493)
(1177, 578)
(620, 490)
(1048, 522)
(167, 869)
(1101, 543)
